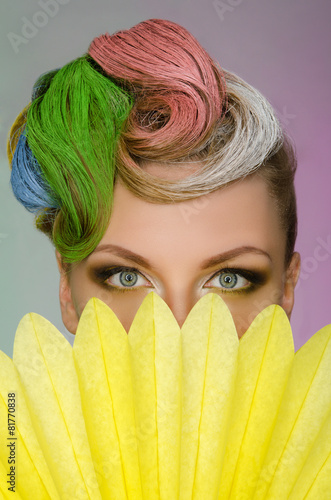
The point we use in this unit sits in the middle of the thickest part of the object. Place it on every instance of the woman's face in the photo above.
(229, 242)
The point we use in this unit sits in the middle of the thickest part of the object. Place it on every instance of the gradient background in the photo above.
(281, 47)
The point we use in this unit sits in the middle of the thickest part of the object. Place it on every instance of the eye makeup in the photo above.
(255, 278)
(101, 275)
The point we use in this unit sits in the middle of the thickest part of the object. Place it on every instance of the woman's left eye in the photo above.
(228, 280)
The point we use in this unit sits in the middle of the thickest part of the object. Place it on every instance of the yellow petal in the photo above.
(101, 353)
(209, 352)
(314, 480)
(44, 361)
(30, 470)
(265, 355)
(155, 352)
(304, 409)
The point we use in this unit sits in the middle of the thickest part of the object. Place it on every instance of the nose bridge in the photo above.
(180, 301)
(178, 281)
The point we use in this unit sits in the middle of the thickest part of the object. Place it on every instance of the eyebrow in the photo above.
(125, 254)
(231, 254)
(210, 262)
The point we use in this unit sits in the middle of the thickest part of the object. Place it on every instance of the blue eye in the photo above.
(128, 278)
(122, 278)
(228, 280)
(233, 280)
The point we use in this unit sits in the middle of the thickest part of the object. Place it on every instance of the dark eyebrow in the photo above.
(125, 254)
(212, 261)
(231, 254)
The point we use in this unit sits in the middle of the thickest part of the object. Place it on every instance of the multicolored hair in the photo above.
(150, 93)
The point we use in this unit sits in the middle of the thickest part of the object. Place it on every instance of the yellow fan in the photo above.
(163, 412)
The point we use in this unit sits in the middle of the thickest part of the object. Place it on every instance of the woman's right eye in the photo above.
(124, 278)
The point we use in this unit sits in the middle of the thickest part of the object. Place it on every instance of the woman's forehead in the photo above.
(241, 214)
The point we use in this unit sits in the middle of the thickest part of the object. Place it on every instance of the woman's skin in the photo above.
(229, 242)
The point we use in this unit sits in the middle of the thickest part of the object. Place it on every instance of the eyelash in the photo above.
(104, 274)
(255, 278)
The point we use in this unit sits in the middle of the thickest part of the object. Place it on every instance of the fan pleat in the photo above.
(46, 367)
(314, 478)
(264, 361)
(154, 340)
(304, 409)
(106, 392)
(209, 352)
(31, 470)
